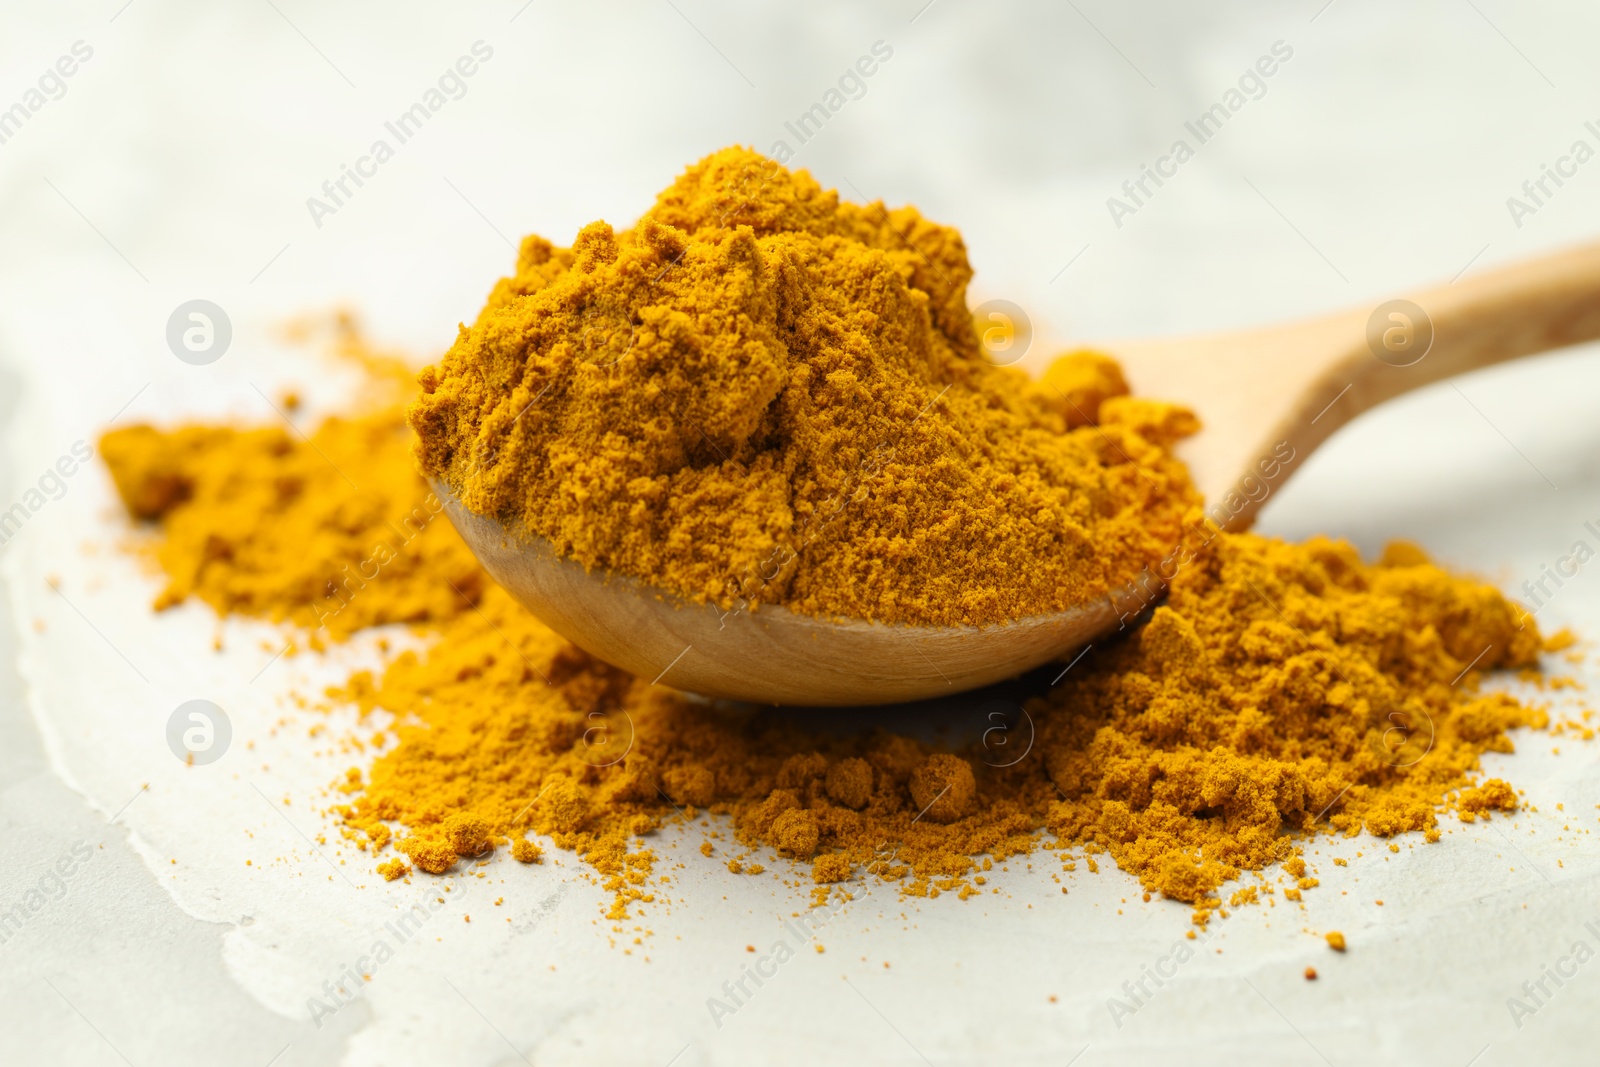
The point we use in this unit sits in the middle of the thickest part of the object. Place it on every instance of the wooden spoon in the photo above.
(1267, 399)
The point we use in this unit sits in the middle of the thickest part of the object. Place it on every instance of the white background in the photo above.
(177, 166)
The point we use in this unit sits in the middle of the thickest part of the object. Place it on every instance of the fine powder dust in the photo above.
(1279, 691)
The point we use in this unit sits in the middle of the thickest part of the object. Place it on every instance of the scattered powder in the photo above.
(333, 507)
(392, 869)
(1278, 691)
(1283, 688)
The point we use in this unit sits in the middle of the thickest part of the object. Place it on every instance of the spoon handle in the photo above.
(1268, 398)
(1520, 310)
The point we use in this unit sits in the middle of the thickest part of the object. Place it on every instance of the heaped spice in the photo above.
(762, 394)
(1279, 691)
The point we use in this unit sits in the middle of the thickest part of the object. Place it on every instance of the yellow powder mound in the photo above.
(1279, 691)
(1280, 685)
(342, 506)
(760, 394)
(263, 522)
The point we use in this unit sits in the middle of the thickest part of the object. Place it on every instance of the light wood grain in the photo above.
(770, 655)
(1291, 386)
(1268, 398)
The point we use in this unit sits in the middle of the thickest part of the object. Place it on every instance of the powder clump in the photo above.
(467, 834)
(795, 833)
(942, 787)
(428, 853)
(849, 783)
(1493, 795)
(392, 869)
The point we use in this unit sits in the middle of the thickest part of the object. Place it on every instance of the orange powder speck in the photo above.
(1560, 641)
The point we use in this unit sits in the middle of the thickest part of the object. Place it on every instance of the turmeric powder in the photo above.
(265, 521)
(215, 488)
(1277, 692)
(760, 394)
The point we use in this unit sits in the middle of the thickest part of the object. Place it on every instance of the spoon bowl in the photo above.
(1267, 398)
(767, 655)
